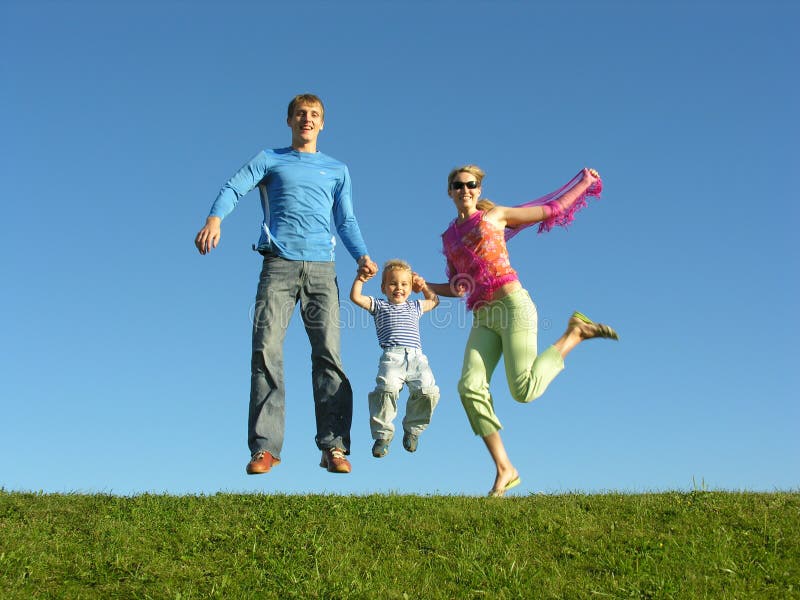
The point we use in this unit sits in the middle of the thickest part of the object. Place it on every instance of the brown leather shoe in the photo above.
(261, 462)
(335, 461)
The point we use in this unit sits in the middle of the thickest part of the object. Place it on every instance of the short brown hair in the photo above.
(305, 99)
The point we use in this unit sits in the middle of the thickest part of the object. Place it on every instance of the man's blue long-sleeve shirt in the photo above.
(299, 193)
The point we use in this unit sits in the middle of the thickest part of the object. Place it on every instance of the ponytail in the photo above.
(485, 204)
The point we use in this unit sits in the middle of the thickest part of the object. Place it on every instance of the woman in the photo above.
(504, 316)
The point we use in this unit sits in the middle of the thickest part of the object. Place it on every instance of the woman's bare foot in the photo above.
(589, 329)
(505, 480)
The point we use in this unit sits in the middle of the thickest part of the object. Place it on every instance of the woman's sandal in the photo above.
(590, 329)
(511, 484)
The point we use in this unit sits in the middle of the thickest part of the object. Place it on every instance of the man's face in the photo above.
(397, 286)
(306, 123)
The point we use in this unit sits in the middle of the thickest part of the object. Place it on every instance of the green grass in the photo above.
(698, 544)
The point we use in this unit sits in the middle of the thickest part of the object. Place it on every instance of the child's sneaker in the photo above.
(410, 442)
(380, 448)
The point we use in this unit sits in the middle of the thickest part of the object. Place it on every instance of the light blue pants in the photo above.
(505, 327)
(398, 366)
(283, 283)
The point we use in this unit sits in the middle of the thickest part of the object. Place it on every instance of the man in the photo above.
(300, 189)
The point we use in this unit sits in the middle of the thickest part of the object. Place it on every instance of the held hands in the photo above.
(208, 237)
(366, 268)
(417, 282)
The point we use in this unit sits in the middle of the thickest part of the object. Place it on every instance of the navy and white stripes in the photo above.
(397, 324)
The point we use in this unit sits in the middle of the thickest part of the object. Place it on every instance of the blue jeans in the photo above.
(399, 366)
(282, 284)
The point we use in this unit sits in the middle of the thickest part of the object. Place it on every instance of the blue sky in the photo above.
(126, 354)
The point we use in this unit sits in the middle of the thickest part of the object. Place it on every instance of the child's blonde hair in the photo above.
(395, 264)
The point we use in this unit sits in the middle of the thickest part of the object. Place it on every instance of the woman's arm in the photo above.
(442, 289)
(509, 216)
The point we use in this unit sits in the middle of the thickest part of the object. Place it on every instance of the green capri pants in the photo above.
(506, 327)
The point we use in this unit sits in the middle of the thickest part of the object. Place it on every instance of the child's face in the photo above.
(397, 286)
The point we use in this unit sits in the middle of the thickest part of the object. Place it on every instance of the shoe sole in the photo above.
(605, 331)
(259, 471)
(582, 317)
(511, 484)
(335, 470)
(409, 448)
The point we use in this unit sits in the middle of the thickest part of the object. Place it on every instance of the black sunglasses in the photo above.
(457, 185)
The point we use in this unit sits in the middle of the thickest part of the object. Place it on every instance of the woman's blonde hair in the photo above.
(473, 170)
(483, 204)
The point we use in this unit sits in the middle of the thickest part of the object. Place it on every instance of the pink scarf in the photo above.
(558, 216)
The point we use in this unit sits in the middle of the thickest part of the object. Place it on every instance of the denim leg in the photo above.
(382, 411)
(333, 396)
(383, 399)
(277, 294)
(423, 394)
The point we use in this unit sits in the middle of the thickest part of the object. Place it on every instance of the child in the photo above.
(402, 361)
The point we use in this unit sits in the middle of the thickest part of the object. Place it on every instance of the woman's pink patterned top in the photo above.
(477, 258)
(476, 252)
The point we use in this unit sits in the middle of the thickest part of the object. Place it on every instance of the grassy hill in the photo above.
(679, 545)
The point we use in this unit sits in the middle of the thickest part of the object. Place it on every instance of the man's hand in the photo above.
(366, 268)
(208, 237)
